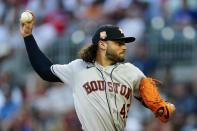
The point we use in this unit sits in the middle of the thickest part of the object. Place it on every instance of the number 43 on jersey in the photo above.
(124, 111)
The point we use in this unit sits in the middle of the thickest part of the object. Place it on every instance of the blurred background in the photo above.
(165, 49)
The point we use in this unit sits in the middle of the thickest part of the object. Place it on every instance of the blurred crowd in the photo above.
(28, 103)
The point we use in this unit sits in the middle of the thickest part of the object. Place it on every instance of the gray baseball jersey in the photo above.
(102, 95)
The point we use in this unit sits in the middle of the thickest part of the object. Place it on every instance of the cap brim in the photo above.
(126, 39)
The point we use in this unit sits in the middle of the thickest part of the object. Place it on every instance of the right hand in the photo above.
(173, 108)
(26, 27)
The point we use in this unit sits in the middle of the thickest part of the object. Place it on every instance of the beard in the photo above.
(113, 56)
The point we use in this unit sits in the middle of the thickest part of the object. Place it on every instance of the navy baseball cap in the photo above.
(110, 32)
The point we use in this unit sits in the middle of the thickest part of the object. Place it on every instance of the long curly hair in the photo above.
(88, 53)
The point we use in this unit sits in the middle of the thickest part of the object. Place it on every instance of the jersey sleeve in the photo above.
(66, 72)
(134, 76)
(140, 77)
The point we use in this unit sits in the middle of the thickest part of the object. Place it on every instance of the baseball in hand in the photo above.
(26, 17)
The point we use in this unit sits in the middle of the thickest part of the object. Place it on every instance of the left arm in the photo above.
(152, 99)
(141, 101)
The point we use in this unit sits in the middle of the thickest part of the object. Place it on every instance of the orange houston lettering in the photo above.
(123, 90)
(87, 88)
(94, 85)
(116, 85)
(101, 85)
(128, 93)
(110, 86)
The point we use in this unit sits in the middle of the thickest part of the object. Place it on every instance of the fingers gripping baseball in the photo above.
(26, 23)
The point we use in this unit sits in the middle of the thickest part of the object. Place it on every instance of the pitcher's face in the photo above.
(116, 51)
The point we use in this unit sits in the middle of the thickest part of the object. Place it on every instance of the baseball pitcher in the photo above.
(103, 86)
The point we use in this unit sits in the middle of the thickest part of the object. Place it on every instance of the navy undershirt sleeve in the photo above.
(141, 100)
(41, 64)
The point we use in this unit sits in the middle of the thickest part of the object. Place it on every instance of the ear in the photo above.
(102, 45)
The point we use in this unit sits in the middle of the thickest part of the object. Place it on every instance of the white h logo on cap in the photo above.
(103, 35)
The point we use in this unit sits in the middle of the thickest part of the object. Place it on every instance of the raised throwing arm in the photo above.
(41, 64)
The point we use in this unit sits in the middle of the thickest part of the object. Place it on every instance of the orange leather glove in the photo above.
(152, 99)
